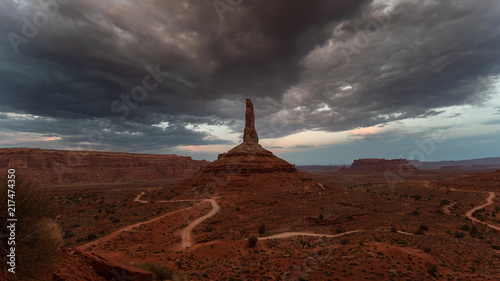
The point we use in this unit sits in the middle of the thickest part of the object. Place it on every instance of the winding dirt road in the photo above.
(187, 239)
(285, 235)
(187, 232)
(489, 201)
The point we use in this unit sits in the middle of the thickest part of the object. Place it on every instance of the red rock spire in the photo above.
(250, 134)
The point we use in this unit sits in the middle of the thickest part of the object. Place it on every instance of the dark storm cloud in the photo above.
(408, 63)
(291, 57)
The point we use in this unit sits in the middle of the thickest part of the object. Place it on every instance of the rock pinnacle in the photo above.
(250, 134)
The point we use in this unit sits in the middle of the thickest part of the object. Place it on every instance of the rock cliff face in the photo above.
(379, 166)
(60, 166)
(248, 167)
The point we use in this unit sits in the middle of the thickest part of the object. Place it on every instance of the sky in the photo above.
(331, 81)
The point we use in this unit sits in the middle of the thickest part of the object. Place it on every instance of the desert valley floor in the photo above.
(349, 227)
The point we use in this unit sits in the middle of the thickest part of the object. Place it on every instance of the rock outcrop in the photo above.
(78, 265)
(248, 167)
(250, 134)
(379, 166)
(63, 166)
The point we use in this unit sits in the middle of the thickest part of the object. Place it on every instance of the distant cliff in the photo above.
(379, 166)
(64, 166)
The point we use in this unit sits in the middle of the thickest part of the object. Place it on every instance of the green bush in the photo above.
(252, 240)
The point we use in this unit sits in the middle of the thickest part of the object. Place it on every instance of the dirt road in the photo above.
(187, 232)
(188, 236)
(489, 201)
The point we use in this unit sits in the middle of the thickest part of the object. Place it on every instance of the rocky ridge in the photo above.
(65, 166)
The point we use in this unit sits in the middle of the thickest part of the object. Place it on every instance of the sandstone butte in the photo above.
(64, 166)
(247, 167)
(379, 166)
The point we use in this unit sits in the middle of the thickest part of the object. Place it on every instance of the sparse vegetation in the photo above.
(38, 236)
(424, 227)
(90, 237)
(433, 270)
(252, 241)
(445, 202)
(161, 272)
(262, 229)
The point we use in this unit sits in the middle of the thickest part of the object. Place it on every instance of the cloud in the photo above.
(308, 65)
(299, 146)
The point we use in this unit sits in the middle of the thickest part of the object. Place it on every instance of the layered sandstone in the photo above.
(248, 166)
(379, 165)
(62, 166)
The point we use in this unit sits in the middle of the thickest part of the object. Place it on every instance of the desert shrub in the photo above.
(339, 230)
(344, 241)
(459, 234)
(115, 221)
(38, 237)
(432, 270)
(419, 231)
(417, 197)
(252, 240)
(477, 214)
(161, 272)
(91, 236)
(398, 241)
(415, 213)
(424, 227)
(473, 231)
(262, 229)
(349, 217)
(394, 230)
(68, 234)
(445, 202)
(465, 227)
